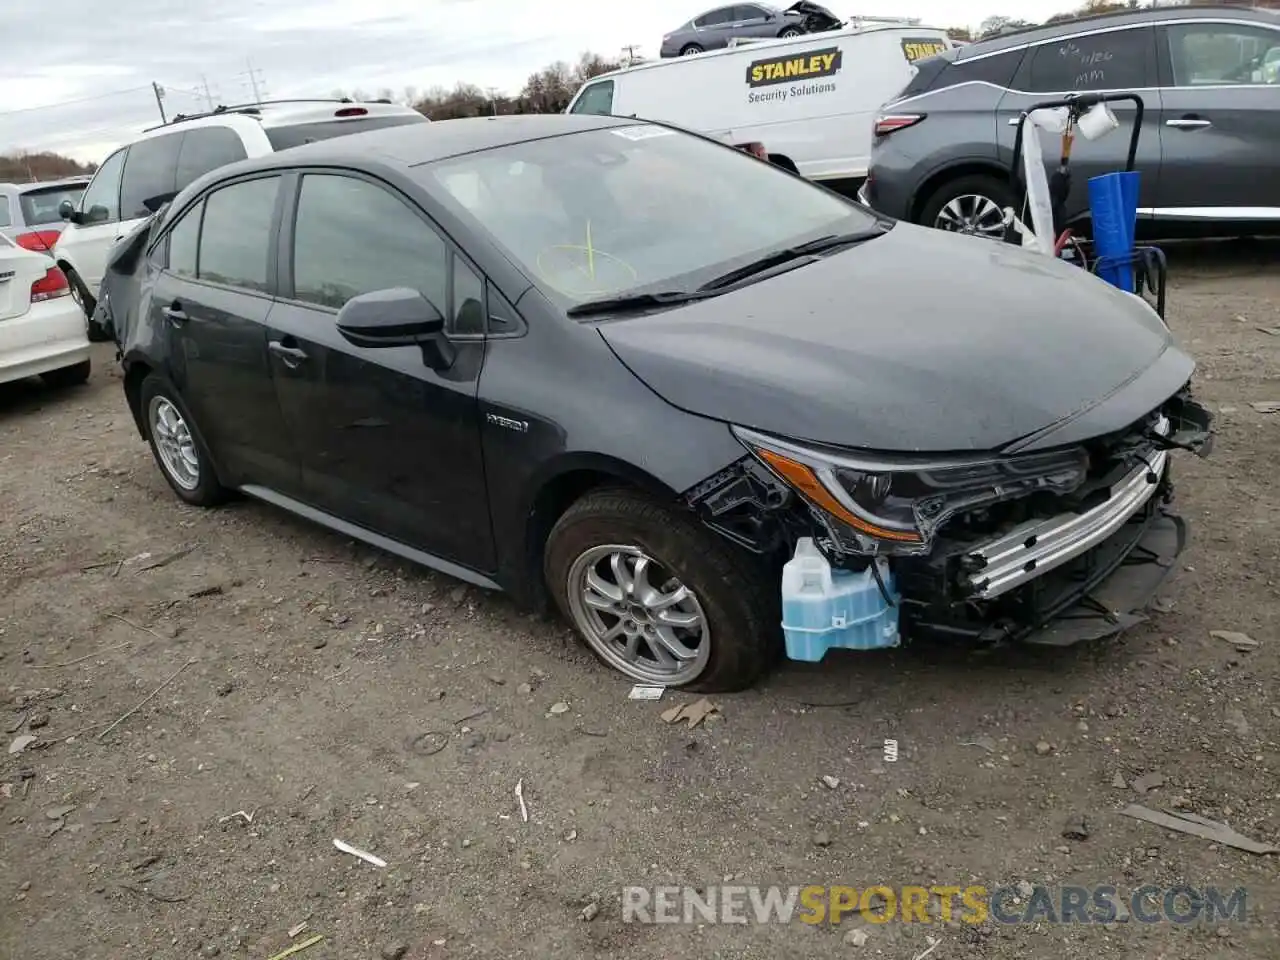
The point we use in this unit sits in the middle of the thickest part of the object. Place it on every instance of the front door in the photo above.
(86, 245)
(1220, 123)
(388, 442)
(213, 301)
(1116, 61)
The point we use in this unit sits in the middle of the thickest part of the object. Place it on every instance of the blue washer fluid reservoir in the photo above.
(824, 607)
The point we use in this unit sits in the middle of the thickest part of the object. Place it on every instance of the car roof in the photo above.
(412, 144)
(1122, 18)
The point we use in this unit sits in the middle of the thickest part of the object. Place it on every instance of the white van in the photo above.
(810, 100)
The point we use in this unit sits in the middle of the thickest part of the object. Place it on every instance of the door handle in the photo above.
(175, 314)
(1189, 123)
(292, 356)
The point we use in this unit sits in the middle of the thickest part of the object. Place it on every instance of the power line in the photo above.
(71, 103)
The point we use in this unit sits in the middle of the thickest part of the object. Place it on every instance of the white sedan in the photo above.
(42, 328)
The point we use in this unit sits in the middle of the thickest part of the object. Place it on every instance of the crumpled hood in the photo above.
(917, 341)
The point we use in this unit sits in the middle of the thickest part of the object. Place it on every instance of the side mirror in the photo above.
(67, 211)
(397, 317)
(771, 16)
(152, 204)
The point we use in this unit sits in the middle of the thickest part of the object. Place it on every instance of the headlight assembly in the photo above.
(894, 504)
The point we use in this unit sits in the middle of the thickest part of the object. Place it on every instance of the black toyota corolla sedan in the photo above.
(644, 375)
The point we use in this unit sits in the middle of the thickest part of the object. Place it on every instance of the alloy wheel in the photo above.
(174, 443)
(974, 215)
(637, 616)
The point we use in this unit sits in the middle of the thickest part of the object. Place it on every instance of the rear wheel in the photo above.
(690, 49)
(659, 598)
(71, 376)
(183, 458)
(972, 205)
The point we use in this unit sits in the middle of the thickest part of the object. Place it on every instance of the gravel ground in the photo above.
(314, 689)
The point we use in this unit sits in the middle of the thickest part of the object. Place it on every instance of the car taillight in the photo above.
(893, 122)
(351, 112)
(52, 285)
(41, 241)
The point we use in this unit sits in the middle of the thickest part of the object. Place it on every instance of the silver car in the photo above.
(1210, 82)
(714, 29)
(29, 211)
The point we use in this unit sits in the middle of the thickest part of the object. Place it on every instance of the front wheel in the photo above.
(183, 458)
(659, 598)
(690, 49)
(791, 32)
(972, 205)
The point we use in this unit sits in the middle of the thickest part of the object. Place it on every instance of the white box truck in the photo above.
(810, 100)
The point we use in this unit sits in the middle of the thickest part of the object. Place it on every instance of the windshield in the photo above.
(41, 206)
(636, 209)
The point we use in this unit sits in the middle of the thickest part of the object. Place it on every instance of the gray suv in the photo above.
(1210, 81)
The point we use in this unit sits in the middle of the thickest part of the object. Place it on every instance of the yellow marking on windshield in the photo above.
(591, 254)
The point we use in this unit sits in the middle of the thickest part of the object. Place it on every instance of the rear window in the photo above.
(41, 206)
(282, 138)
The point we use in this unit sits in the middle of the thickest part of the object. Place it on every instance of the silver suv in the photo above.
(1210, 81)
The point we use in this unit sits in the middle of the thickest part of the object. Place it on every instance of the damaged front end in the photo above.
(1052, 548)
(817, 18)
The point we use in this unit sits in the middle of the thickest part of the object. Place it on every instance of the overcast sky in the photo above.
(84, 86)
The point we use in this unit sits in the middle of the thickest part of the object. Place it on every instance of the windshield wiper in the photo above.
(779, 257)
(639, 301)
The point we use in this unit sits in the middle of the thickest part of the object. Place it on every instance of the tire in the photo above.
(72, 376)
(689, 49)
(791, 32)
(729, 594)
(199, 486)
(87, 303)
(990, 189)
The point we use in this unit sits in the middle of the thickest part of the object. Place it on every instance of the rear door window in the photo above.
(149, 173)
(205, 149)
(183, 242)
(235, 238)
(597, 98)
(1115, 60)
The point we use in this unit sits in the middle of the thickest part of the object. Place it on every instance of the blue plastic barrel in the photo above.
(1113, 204)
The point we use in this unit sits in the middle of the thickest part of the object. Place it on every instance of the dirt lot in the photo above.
(327, 691)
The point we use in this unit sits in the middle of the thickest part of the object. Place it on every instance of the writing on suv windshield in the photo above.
(633, 209)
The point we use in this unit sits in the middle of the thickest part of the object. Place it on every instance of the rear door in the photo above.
(387, 441)
(1114, 61)
(211, 305)
(714, 28)
(1220, 122)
